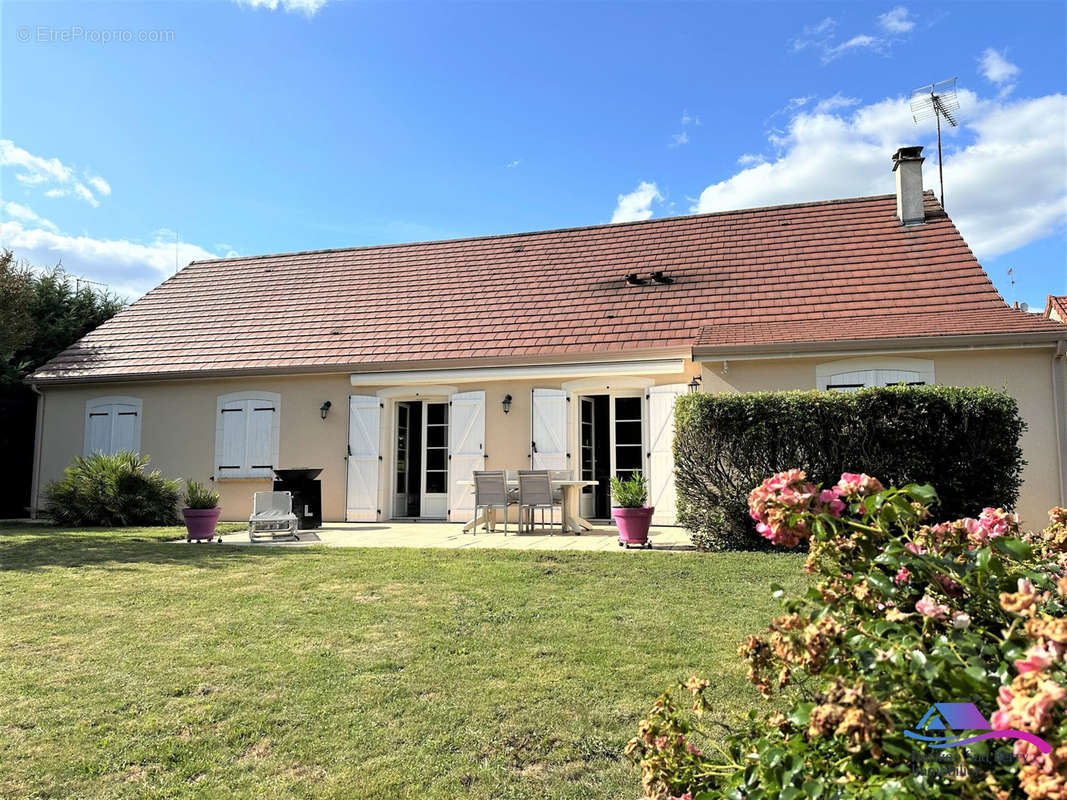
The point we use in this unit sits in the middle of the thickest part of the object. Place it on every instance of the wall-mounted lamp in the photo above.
(324, 409)
(694, 385)
(507, 403)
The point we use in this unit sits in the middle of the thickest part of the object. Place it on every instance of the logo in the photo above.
(950, 717)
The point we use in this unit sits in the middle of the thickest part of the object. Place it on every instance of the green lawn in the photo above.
(130, 667)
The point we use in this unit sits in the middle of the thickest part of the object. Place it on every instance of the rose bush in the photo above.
(902, 614)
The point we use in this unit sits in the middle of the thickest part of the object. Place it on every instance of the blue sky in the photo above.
(246, 128)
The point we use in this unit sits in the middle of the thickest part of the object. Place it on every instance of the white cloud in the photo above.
(690, 119)
(748, 159)
(128, 268)
(822, 36)
(858, 42)
(637, 204)
(99, 184)
(513, 164)
(837, 101)
(678, 139)
(996, 68)
(21, 212)
(56, 178)
(896, 20)
(309, 7)
(1005, 167)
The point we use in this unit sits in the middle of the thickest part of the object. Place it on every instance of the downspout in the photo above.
(35, 482)
(1057, 414)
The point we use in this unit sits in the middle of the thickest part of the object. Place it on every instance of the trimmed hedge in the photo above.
(965, 441)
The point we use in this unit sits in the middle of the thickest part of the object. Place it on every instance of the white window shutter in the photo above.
(548, 448)
(364, 457)
(230, 443)
(125, 428)
(112, 424)
(661, 492)
(98, 431)
(466, 451)
(259, 423)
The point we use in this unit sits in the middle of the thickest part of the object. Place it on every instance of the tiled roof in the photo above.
(995, 322)
(1056, 307)
(550, 294)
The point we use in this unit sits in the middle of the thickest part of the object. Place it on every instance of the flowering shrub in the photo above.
(903, 614)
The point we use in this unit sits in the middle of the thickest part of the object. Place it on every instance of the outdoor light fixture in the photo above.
(507, 403)
(324, 409)
(694, 384)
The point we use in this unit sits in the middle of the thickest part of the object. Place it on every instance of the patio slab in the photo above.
(451, 536)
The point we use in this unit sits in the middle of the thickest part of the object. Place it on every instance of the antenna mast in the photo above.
(937, 100)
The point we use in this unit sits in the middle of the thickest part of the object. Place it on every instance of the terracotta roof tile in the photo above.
(770, 274)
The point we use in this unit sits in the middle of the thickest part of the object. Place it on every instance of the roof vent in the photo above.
(633, 280)
(659, 277)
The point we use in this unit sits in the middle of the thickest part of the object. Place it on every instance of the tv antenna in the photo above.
(937, 100)
(79, 281)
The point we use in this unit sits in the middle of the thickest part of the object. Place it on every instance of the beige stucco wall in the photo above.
(178, 429)
(1026, 374)
(178, 419)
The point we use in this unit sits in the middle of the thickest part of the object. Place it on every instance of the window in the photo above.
(857, 373)
(628, 436)
(112, 424)
(246, 435)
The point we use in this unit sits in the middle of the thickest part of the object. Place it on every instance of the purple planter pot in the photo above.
(633, 525)
(200, 523)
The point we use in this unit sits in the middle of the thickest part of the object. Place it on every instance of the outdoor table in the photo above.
(569, 490)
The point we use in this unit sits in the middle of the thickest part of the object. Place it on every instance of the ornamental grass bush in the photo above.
(963, 440)
(112, 490)
(904, 613)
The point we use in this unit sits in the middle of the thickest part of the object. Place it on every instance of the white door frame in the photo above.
(620, 387)
(390, 397)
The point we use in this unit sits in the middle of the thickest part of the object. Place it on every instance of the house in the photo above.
(400, 369)
(1056, 307)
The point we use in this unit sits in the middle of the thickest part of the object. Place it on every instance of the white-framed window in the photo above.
(851, 374)
(246, 434)
(112, 424)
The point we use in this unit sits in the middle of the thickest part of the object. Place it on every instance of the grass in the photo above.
(131, 667)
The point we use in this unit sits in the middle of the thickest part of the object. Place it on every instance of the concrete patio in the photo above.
(449, 535)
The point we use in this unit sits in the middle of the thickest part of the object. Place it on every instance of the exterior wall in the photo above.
(179, 418)
(1026, 374)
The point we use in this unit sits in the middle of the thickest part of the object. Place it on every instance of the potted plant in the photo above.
(201, 512)
(630, 512)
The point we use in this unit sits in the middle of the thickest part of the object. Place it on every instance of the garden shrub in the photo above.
(112, 490)
(965, 440)
(903, 614)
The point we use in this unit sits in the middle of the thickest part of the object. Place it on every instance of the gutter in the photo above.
(580, 357)
(844, 347)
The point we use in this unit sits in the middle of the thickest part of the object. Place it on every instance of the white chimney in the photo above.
(908, 165)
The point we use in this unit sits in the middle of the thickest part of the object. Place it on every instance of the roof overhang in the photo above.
(659, 366)
(585, 360)
(915, 344)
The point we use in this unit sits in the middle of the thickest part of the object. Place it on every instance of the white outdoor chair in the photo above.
(272, 517)
(535, 492)
(491, 492)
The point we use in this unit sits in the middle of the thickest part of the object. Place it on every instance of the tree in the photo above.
(42, 312)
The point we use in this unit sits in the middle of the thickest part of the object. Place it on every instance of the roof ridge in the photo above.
(571, 229)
